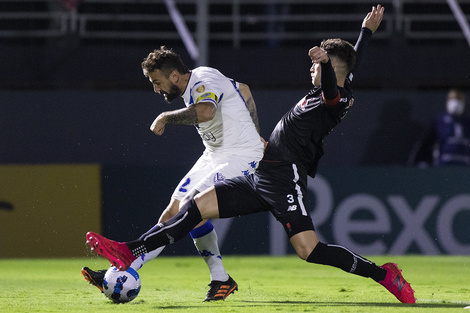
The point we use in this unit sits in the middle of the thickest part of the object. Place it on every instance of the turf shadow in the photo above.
(358, 304)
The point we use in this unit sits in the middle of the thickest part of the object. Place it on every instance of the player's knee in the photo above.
(303, 253)
(190, 195)
(304, 243)
(207, 203)
(171, 210)
(165, 216)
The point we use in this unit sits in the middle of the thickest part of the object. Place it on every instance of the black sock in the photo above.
(340, 257)
(168, 232)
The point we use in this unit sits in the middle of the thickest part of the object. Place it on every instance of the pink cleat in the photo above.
(397, 285)
(116, 252)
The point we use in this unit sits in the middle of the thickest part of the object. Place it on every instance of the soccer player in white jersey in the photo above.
(224, 114)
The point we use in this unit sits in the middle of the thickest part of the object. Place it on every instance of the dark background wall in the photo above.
(68, 63)
(112, 127)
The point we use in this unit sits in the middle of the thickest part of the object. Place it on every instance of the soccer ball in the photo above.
(121, 286)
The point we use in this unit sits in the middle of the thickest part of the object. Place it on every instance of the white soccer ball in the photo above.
(121, 286)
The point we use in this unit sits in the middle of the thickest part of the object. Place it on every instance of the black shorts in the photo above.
(282, 193)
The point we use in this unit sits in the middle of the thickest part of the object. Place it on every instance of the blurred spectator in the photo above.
(447, 142)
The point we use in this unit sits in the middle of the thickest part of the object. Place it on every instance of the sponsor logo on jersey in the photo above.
(253, 165)
(218, 177)
(302, 103)
(292, 208)
(343, 100)
(201, 89)
(208, 137)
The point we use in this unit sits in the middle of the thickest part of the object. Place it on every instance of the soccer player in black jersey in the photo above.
(279, 184)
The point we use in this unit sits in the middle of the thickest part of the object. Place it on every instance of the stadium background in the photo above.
(76, 153)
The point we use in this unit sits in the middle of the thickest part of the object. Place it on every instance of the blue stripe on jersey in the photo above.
(234, 83)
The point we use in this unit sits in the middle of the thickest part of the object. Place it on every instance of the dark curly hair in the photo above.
(165, 60)
(340, 49)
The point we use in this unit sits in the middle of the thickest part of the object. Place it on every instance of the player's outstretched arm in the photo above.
(192, 115)
(374, 18)
(369, 25)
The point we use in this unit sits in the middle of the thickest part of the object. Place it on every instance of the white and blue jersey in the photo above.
(232, 130)
(233, 146)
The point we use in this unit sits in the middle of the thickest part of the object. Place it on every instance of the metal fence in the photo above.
(228, 22)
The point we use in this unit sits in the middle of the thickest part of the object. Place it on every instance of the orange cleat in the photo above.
(219, 290)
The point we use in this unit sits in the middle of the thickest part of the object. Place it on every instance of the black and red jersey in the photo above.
(298, 136)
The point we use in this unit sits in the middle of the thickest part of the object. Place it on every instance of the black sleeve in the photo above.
(360, 47)
(328, 82)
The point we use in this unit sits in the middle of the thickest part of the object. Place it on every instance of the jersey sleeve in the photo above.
(329, 87)
(206, 91)
(360, 47)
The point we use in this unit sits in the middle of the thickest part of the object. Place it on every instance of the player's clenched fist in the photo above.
(158, 125)
(318, 55)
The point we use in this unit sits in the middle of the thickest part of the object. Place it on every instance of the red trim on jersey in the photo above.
(332, 101)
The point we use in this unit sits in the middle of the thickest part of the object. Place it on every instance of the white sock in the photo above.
(140, 261)
(209, 250)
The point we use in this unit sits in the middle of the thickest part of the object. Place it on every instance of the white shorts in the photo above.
(210, 169)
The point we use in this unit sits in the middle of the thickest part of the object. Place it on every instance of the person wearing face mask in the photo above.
(447, 141)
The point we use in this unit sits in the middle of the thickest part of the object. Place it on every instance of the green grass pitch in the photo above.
(266, 284)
